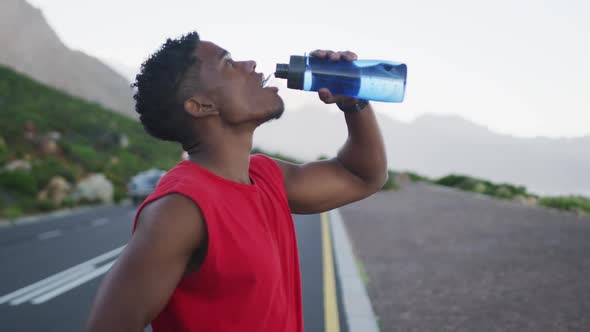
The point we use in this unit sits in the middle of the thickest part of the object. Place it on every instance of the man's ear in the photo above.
(199, 107)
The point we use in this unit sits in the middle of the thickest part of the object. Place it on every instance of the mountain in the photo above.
(435, 146)
(30, 46)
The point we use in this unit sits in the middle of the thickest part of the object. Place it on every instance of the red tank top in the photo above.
(250, 279)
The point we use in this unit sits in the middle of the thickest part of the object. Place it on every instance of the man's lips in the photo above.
(262, 82)
(266, 80)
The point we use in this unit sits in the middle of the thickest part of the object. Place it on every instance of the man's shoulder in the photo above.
(171, 204)
(265, 164)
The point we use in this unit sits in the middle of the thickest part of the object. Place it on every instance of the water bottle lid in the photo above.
(293, 72)
(282, 70)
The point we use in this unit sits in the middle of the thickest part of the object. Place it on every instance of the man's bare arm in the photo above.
(144, 277)
(359, 170)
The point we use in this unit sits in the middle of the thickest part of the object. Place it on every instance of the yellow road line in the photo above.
(332, 322)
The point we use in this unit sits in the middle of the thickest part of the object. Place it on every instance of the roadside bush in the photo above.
(19, 181)
(3, 152)
(11, 212)
(69, 203)
(414, 177)
(84, 155)
(120, 194)
(390, 184)
(45, 169)
(467, 183)
(277, 156)
(569, 203)
(45, 205)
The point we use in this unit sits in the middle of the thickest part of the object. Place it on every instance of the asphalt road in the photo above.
(443, 260)
(84, 245)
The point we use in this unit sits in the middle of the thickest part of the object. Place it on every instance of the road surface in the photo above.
(443, 260)
(51, 269)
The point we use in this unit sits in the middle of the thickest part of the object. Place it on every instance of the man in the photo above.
(214, 246)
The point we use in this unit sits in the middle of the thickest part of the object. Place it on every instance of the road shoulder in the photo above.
(357, 305)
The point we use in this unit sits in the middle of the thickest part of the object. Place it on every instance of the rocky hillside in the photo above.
(55, 149)
(29, 45)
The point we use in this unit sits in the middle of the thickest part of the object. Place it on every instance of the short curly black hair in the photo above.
(166, 79)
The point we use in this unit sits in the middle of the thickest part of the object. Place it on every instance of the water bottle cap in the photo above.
(293, 72)
(282, 70)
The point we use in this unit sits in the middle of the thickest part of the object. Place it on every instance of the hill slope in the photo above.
(87, 139)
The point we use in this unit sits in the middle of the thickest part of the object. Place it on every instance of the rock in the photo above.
(49, 147)
(403, 179)
(580, 212)
(48, 143)
(525, 200)
(95, 187)
(18, 165)
(57, 190)
(53, 135)
(480, 188)
(503, 192)
(123, 141)
(30, 131)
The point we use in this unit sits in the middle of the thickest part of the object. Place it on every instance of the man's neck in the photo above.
(226, 155)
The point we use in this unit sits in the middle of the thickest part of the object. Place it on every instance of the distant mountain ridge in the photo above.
(30, 46)
(436, 146)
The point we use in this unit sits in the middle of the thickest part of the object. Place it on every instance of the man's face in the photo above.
(235, 87)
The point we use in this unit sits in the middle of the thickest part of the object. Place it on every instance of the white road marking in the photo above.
(99, 222)
(58, 276)
(71, 276)
(49, 235)
(41, 283)
(60, 290)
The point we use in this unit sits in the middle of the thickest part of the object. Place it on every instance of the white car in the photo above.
(143, 184)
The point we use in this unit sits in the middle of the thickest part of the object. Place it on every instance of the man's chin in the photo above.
(276, 114)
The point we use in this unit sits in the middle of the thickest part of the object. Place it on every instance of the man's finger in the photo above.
(325, 95)
(348, 55)
(333, 56)
(318, 53)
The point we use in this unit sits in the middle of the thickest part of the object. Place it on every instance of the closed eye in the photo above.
(229, 60)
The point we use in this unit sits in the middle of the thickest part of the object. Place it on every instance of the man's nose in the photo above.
(250, 66)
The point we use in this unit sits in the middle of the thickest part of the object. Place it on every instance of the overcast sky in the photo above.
(517, 67)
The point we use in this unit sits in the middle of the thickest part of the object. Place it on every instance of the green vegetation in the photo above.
(414, 177)
(467, 183)
(578, 204)
(91, 141)
(391, 184)
(277, 156)
(362, 271)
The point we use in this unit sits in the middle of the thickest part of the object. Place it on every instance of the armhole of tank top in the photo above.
(209, 228)
(151, 199)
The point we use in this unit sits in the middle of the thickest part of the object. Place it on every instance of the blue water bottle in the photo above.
(364, 79)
